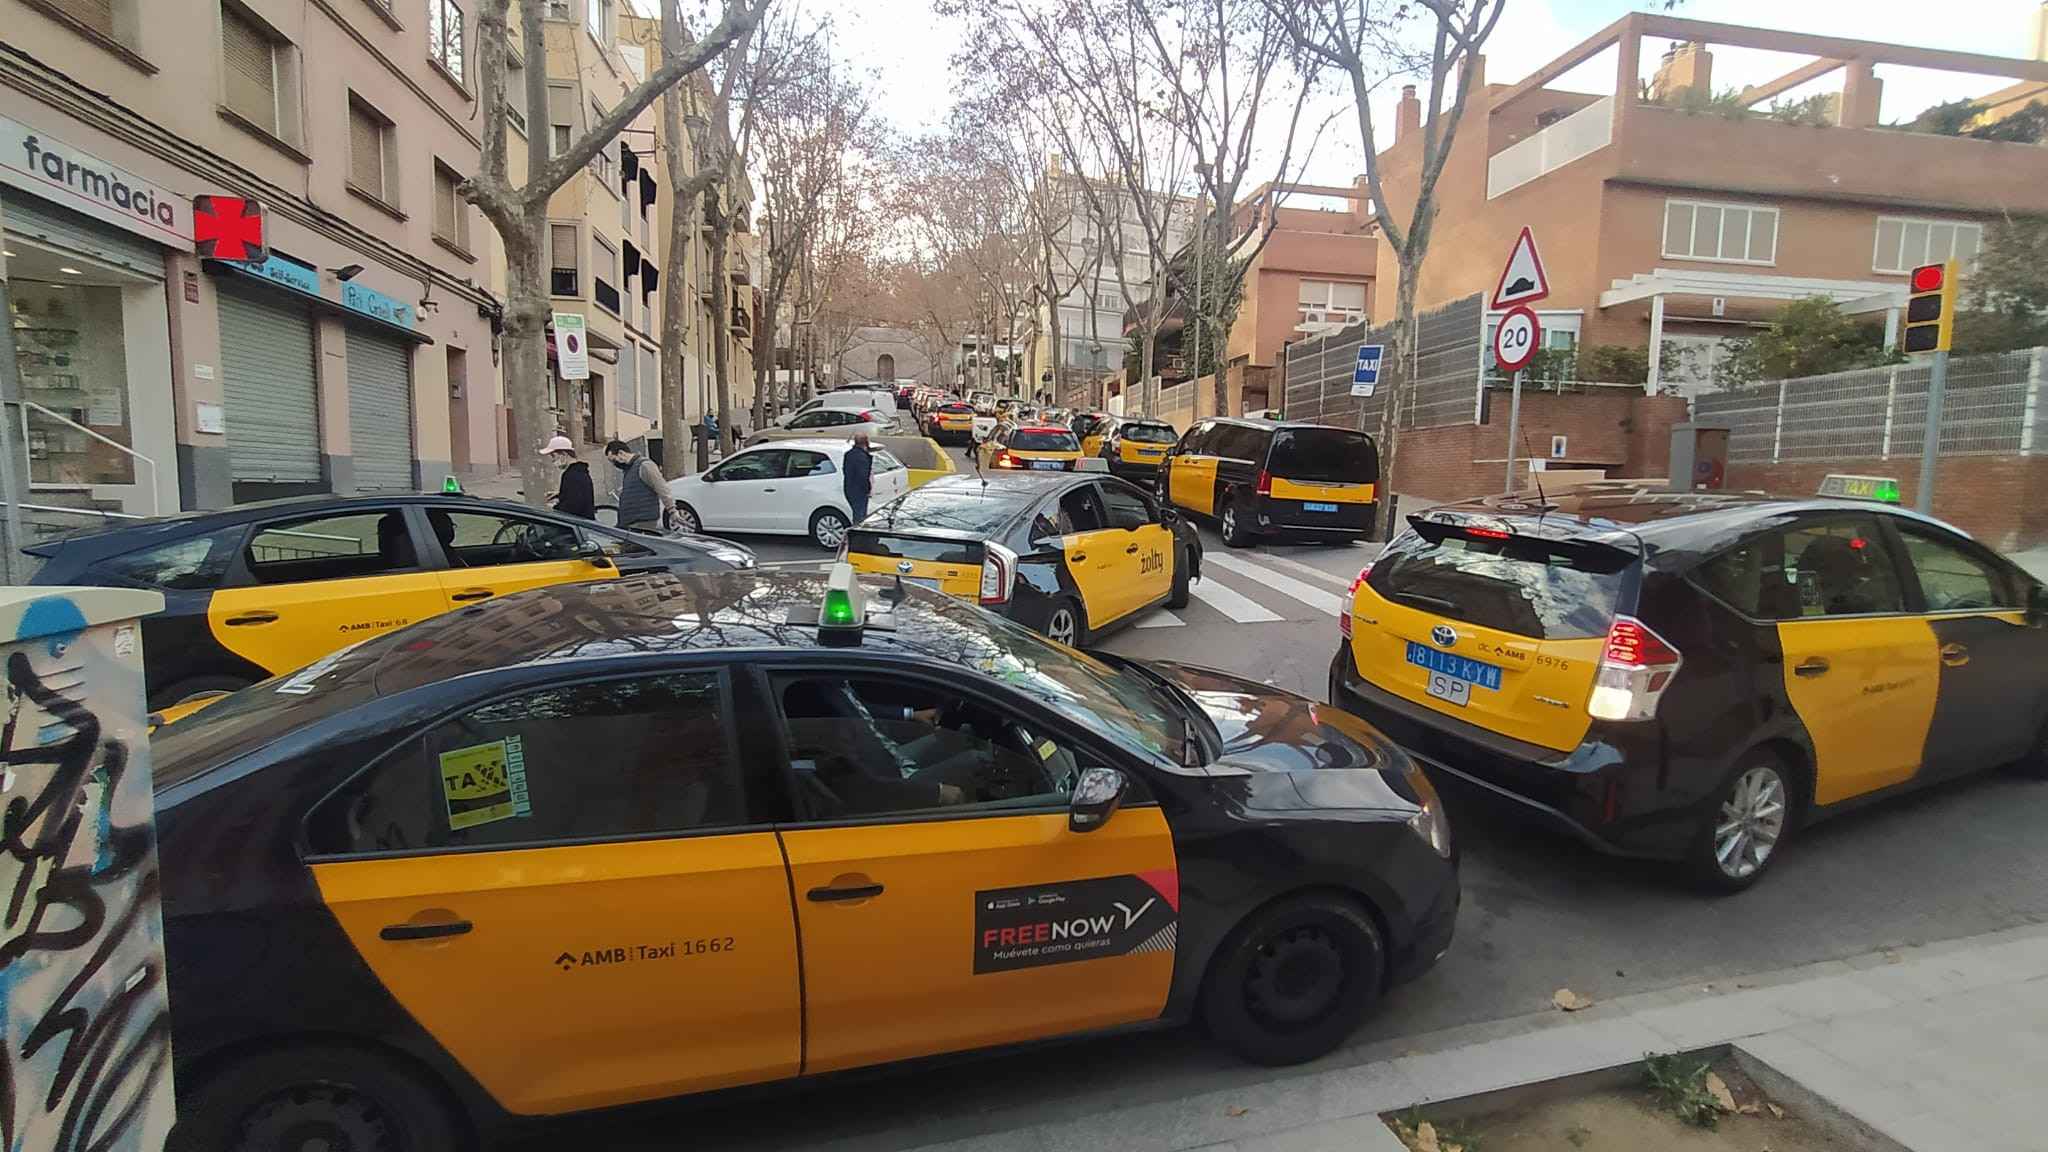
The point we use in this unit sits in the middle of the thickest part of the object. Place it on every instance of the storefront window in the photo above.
(74, 363)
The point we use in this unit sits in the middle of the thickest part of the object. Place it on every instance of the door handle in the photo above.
(252, 618)
(767, 489)
(1811, 666)
(828, 895)
(425, 931)
(1954, 655)
(1079, 558)
(471, 594)
(1131, 551)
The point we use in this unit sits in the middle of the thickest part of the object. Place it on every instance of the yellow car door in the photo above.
(308, 585)
(999, 923)
(490, 553)
(1191, 472)
(1145, 554)
(568, 889)
(1091, 552)
(1860, 672)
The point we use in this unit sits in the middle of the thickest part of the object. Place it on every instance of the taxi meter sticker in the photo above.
(1042, 924)
(484, 783)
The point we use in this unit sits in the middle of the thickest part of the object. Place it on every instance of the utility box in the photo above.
(1699, 457)
(87, 1025)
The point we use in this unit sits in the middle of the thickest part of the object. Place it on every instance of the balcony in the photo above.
(740, 322)
(565, 282)
(1581, 134)
(607, 297)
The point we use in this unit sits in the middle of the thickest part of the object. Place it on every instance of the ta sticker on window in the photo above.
(485, 783)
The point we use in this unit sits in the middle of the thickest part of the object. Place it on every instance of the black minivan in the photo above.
(1266, 477)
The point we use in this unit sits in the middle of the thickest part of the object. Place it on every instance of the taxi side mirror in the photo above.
(596, 553)
(1096, 796)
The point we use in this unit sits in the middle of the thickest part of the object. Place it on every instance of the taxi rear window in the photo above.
(1534, 588)
(1324, 456)
(909, 548)
(1044, 442)
(1150, 433)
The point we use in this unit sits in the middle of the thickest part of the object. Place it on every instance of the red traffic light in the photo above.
(1927, 278)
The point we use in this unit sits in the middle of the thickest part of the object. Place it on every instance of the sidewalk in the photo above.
(1932, 1049)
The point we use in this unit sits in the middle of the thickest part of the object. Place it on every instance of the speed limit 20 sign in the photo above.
(1515, 342)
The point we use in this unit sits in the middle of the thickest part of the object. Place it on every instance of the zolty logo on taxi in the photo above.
(1078, 920)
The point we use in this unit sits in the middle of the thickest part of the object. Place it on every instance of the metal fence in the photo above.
(1448, 364)
(1992, 407)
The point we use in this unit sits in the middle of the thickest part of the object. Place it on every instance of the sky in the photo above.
(908, 46)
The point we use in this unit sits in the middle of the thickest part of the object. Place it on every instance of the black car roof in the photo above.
(1624, 512)
(970, 505)
(206, 521)
(1265, 425)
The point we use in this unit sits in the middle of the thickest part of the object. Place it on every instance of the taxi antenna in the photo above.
(1536, 476)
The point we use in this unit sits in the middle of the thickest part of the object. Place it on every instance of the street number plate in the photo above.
(1319, 507)
(1450, 688)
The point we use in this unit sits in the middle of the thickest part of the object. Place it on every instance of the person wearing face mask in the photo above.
(645, 504)
(575, 496)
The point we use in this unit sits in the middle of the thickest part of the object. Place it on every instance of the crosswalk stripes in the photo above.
(1320, 599)
(1239, 607)
(1161, 619)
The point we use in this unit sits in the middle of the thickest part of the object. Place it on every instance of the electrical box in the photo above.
(1699, 457)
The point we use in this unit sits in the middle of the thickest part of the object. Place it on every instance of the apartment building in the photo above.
(1674, 215)
(358, 357)
(1311, 274)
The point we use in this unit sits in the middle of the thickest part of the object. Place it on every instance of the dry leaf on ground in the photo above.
(1777, 1113)
(1718, 1089)
(1425, 1138)
(1236, 1110)
(1570, 1001)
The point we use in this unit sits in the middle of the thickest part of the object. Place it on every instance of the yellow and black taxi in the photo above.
(1266, 477)
(1031, 447)
(606, 843)
(1692, 677)
(1092, 427)
(1069, 554)
(950, 422)
(1136, 448)
(260, 589)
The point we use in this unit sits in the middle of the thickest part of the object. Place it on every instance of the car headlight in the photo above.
(1429, 822)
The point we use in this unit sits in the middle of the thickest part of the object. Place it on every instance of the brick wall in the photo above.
(1626, 433)
(1994, 498)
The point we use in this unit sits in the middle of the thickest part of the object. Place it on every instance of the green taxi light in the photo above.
(838, 607)
(451, 486)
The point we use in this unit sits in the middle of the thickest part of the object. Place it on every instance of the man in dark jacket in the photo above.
(859, 468)
(575, 496)
(645, 504)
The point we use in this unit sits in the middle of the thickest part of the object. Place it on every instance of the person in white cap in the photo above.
(575, 496)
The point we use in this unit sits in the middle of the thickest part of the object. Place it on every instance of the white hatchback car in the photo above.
(789, 487)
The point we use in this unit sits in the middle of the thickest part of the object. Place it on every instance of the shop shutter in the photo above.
(273, 416)
(380, 412)
(34, 219)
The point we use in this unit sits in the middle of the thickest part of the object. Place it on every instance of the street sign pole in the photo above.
(1514, 428)
(1930, 438)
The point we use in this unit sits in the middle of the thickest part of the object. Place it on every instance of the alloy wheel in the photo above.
(830, 531)
(1061, 627)
(1752, 822)
(689, 521)
(1230, 521)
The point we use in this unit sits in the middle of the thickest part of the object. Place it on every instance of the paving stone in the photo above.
(1354, 1134)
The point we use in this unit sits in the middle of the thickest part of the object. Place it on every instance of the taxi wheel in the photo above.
(1180, 595)
(1747, 827)
(688, 520)
(828, 528)
(1295, 980)
(1234, 532)
(1065, 624)
(334, 1098)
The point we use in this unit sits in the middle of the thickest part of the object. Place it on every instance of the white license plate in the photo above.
(931, 582)
(1449, 688)
(1049, 465)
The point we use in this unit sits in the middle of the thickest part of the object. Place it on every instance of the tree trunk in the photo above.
(1389, 438)
(1148, 336)
(765, 377)
(721, 332)
(1052, 340)
(526, 353)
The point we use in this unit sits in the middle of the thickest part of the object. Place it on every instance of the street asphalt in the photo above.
(1540, 912)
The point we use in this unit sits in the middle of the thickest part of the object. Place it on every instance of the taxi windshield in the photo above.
(1150, 433)
(1045, 440)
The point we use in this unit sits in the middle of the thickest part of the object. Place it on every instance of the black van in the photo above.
(1265, 477)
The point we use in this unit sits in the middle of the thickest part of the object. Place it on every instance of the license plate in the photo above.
(1450, 688)
(1048, 465)
(931, 582)
(1313, 507)
(1453, 666)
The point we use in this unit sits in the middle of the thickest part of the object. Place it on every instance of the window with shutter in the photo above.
(563, 279)
(604, 271)
(366, 150)
(97, 15)
(451, 214)
(561, 117)
(251, 64)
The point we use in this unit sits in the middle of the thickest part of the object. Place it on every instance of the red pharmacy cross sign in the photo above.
(229, 228)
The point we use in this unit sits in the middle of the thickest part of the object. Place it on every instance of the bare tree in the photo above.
(1362, 41)
(518, 211)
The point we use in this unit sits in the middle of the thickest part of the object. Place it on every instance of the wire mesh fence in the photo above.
(1448, 364)
(1991, 407)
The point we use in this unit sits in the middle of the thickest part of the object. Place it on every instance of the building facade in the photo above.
(1310, 274)
(358, 357)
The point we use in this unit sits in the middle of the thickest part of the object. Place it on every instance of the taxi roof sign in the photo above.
(1883, 489)
(843, 612)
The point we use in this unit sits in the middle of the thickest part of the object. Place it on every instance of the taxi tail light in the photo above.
(1350, 598)
(1005, 460)
(1265, 487)
(998, 573)
(1636, 666)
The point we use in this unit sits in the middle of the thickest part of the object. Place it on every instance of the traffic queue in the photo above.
(474, 755)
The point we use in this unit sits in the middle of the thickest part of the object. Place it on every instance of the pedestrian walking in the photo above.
(860, 476)
(644, 501)
(575, 495)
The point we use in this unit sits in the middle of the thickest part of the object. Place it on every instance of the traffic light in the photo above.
(1931, 307)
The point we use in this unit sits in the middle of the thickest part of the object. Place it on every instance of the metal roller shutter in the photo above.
(60, 228)
(266, 358)
(380, 411)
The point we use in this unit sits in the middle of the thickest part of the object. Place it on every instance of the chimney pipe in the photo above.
(1407, 114)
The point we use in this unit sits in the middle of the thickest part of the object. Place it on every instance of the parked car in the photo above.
(830, 422)
(791, 487)
(859, 401)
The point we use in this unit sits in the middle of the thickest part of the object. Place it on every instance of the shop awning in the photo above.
(321, 304)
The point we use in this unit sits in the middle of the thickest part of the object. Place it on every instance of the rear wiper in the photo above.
(1425, 598)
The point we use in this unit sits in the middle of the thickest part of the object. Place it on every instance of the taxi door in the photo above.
(1146, 559)
(1191, 474)
(308, 585)
(491, 554)
(577, 930)
(1094, 556)
(930, 928)
(1858, 669)
(1994, 660)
